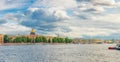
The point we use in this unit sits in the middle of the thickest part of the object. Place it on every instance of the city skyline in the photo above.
(73, 18)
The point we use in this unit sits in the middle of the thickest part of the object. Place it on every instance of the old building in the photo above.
(32, 32)
(32, 35)
(1, 38)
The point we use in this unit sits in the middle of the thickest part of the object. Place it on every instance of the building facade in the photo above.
(1, 38)
(32, 35)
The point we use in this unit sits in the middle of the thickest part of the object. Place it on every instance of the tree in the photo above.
(61, 40)
(37, 39)
(24, 39)
(67, 40)
(58, 40)
(29, 40)
(49, 41)
(17, 40)
(44, 39)
(7, 39)
(54, 40)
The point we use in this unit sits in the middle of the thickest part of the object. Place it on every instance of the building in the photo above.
(1, 38)
(32, 35)
(32, 32)
(49, 38)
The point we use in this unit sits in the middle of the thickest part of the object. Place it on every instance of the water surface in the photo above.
(59, 53)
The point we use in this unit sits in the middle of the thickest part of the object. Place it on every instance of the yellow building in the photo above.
(1, 38)
(49, 38)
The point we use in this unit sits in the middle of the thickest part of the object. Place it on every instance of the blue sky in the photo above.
(69, 18)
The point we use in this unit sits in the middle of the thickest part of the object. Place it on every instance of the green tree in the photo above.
(29, 40)
(55, 40)
(67, 40)
(7, 39)
(62, 40)
(18, 40)
(44, 39)
(23, 39)
(37, 39)
(58, 40)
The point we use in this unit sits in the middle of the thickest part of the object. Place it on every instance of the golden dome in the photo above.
(33, 30)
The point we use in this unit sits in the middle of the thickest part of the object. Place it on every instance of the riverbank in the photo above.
(9, 44)
(15, 44)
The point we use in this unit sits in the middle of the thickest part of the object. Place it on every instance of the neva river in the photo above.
(59, 53)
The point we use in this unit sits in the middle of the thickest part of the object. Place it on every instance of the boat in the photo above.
(111, 48)
(114, 48)
(117, 47)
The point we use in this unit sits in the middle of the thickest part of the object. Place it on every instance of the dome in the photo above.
(32, 32)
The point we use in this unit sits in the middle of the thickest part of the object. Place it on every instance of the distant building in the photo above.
(1, 38)
(98, 41)
(49, 38)
(32, 35)
(32, 32)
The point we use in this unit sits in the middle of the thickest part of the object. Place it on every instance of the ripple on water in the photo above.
(59, 53)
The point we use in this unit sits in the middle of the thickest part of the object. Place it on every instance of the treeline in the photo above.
(38, 39)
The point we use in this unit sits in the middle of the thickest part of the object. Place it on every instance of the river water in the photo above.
(59, 53)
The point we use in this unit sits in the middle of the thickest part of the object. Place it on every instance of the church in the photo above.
(32, 35)
(32, 32)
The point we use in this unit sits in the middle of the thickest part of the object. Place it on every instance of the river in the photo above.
(59, 53)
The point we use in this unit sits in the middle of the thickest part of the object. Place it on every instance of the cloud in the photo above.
(79, 28)
(96, 6)
(104, 2)
(110, 18)
(42, 17)
(2, 22)
(61, 4)
(98, 2)
(73, 18)
(14, 29)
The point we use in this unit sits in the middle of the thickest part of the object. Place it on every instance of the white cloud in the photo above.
(96, 6)
(79, 28)
(110, 18)
(58, 14)
(13, 29)
(61, 4)
(92, 31)
(104, 2)
(61, 14)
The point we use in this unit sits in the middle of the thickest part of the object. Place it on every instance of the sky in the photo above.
(68, 18)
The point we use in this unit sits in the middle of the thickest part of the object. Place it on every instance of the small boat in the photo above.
(117, 47)
(111, 48)
(114, 48)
